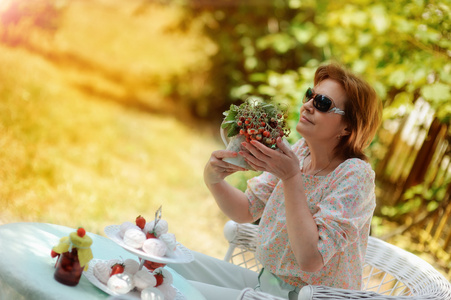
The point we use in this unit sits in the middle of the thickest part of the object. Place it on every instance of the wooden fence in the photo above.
(414, 176)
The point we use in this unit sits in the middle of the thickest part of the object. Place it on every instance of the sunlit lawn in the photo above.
(79, 158)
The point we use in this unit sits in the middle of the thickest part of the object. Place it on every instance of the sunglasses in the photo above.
(322, 103)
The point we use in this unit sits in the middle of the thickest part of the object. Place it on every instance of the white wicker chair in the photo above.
(389, 272)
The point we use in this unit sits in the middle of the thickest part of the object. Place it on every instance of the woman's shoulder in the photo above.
(355, 166)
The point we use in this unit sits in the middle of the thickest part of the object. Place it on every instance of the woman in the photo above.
(315, 199)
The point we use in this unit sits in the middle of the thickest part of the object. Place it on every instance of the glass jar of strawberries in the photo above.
(74, 254)
(68, 270)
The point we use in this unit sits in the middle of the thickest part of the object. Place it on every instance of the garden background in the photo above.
(110, 109)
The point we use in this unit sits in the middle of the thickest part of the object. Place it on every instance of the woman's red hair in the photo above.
(363, 110)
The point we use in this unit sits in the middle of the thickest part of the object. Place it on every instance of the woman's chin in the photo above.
(300, 129)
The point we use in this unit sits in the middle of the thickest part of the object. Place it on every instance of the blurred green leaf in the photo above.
(397, 78)
(321, 39)
(303, 32)
(436, 92)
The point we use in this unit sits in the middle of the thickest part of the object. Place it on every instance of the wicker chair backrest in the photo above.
(389, 272)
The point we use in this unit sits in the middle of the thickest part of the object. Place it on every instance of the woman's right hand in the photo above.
(232, 201)
(216, 169)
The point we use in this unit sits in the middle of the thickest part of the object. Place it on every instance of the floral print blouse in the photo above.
(342, 204)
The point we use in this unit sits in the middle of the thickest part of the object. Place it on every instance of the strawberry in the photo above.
(53, 254)
(117, 268)
(151, 235)
(153, 265)
(81, 232)
(140, 222)
(159, 277)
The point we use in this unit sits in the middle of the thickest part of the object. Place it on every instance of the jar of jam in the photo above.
(74, 255)
(68, 270)
(152, 265)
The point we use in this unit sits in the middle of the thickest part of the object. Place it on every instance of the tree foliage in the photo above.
(272, 49)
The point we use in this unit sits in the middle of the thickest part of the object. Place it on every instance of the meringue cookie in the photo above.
(152, 293)
(120, 283)
(170, 241)
(168, 291)
(134, 238)
(155, 247)
(102, 271)
(126, 226)
(144, 279)
(161, 228)
(131, 266)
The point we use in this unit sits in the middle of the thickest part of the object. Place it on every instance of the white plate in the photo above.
(132, 294)
(181, 254)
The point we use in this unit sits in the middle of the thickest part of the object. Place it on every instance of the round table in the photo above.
(26, 267)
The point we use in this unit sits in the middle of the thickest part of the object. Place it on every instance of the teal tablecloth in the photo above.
(26, 267)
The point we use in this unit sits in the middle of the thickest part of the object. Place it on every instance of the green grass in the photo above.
(76, 152)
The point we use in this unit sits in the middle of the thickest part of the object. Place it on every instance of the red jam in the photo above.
(68, 270)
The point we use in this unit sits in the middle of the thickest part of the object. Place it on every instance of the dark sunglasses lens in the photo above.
(308, 95)
(322, 103)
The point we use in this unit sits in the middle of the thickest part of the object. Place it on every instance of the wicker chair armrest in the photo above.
(323, 293)
(251, 294)
(422, 279)
(242, 245)
(320, 292)
(241, 234)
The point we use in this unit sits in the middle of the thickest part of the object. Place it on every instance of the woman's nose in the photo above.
(308, 106)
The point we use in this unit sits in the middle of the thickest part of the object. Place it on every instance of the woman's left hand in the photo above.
(282, 163)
